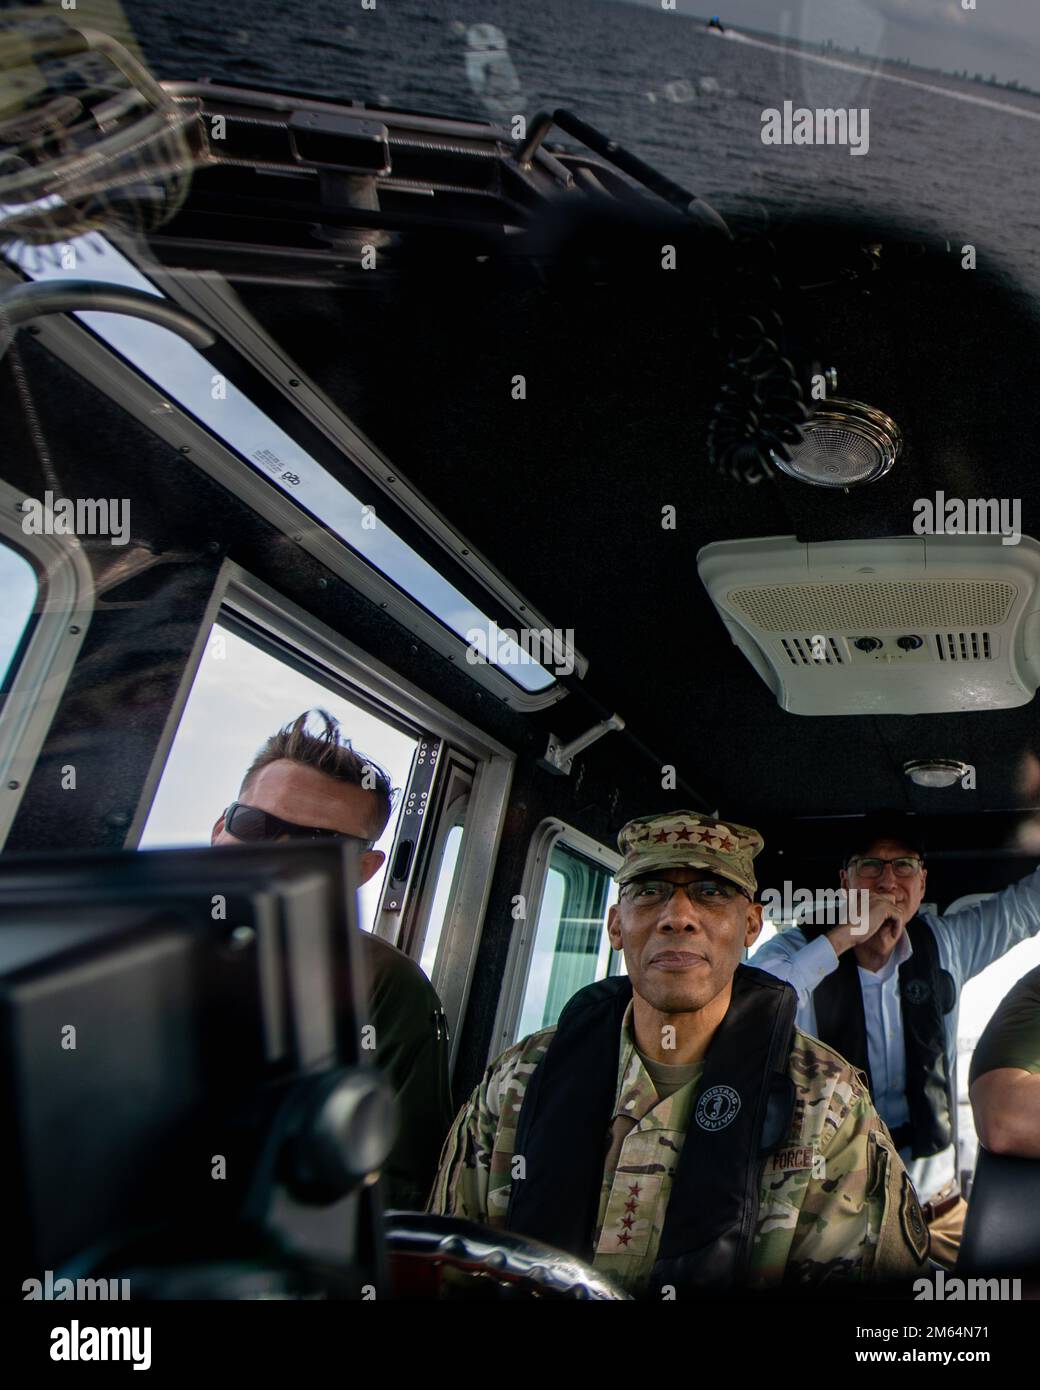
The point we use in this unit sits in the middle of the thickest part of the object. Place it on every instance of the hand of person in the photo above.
(880, 905)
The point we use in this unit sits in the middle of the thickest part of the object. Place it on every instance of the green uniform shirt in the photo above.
(1012, 1036)
(667, 1078)
(411, 1050)
(835, 1201)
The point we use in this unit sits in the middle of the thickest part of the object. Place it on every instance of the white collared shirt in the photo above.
(967, 942)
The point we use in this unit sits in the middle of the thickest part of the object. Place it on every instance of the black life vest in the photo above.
(926, 993)
(742, 1113)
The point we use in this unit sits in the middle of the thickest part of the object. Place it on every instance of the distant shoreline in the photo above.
(827, 49)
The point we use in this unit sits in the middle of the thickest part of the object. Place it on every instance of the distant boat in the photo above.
(716, 27)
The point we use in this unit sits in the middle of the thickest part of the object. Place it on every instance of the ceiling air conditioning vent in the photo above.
(964, 646)
(801, 651)
(928, 603)
(914, 625)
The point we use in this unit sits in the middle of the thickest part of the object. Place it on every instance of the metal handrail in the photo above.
(23, 303)
(622, 159)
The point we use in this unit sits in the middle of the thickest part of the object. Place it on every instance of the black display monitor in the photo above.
(184, 1095)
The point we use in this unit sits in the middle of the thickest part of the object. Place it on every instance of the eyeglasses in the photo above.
(905, 866)
(703, 892)
(253, 825)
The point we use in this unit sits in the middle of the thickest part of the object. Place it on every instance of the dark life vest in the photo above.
(926, 994)
(743, 1112)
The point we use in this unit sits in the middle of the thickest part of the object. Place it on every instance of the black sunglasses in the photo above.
(251, 824)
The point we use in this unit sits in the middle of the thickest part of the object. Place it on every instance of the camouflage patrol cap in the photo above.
(689, 840)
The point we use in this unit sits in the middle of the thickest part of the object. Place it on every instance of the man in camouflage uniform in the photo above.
(827, 1197)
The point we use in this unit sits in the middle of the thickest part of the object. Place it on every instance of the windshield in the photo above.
(942, 100)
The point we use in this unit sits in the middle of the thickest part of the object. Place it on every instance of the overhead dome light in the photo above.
(935, 772)
(844, 444)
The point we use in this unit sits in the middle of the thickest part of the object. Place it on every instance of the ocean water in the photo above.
(956, 158)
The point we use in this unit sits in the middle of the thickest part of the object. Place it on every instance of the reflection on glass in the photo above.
(490, 71)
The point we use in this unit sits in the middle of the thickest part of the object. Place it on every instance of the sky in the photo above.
(18, 586)
(998, 36)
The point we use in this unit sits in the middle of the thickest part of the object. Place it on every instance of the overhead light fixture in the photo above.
(935, 772)
(846, 443)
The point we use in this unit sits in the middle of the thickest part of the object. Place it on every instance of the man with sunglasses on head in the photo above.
(311, 786)
(884, 993)
(675, 1128)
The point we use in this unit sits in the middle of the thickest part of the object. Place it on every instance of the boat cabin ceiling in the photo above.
(566, 490)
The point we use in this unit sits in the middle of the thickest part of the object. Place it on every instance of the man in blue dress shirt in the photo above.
(884, 993)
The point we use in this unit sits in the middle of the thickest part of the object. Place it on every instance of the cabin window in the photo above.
(185, 377)
(770, 927)
(241, 695)
(978, 1003)
(560, 938)
(443, 892)
(19, 586)
(571, 948)
(263, 663)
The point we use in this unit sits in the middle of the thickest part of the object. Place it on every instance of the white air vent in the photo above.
(915, 625)
(804, 651)
(964, 646)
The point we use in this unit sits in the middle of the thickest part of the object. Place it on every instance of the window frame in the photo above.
(447, 807)
(213, 298)
(365, 680)
(546, 836)
(73, 343)
(60, 619)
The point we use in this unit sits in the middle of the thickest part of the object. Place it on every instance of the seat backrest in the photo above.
(1002, 1227)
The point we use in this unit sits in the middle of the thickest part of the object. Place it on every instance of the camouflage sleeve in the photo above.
(859, 1218)
(478, 1148)
(474, 1177)
(460, 1187)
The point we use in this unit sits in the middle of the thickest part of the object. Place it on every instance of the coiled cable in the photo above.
(761, 407)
